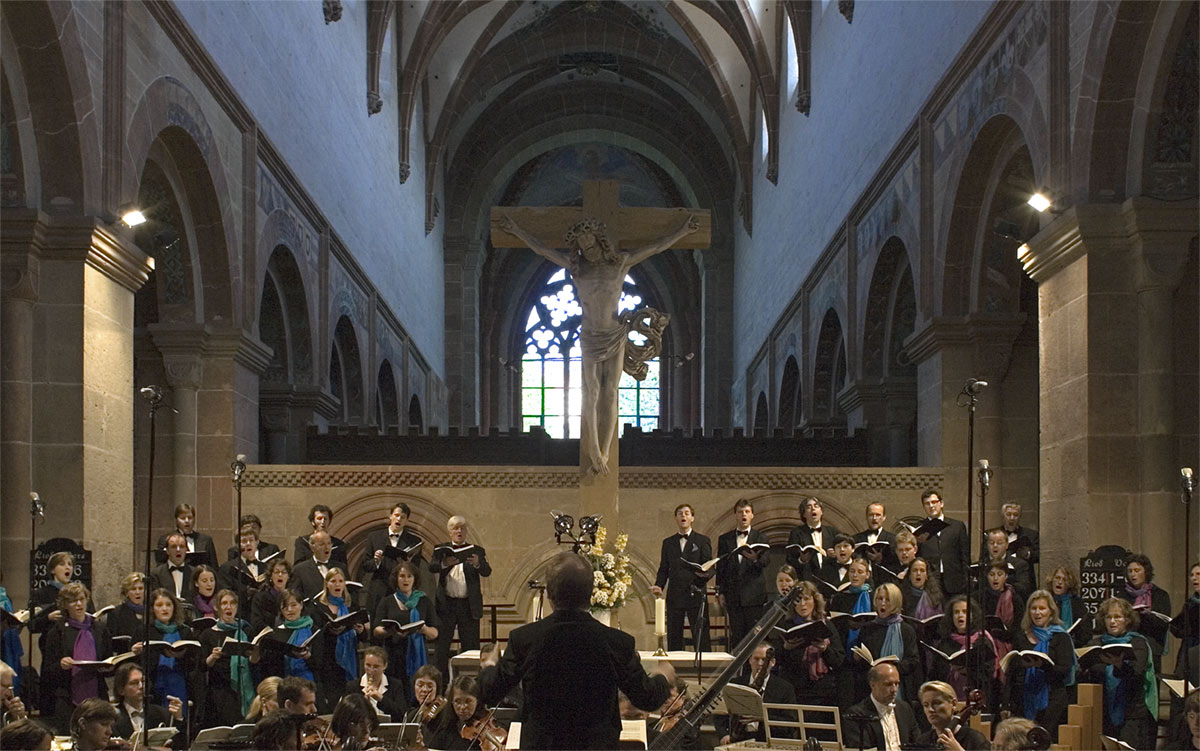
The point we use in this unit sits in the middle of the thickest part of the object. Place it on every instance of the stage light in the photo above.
(589, 524)
(132, 216)
(1040, 202)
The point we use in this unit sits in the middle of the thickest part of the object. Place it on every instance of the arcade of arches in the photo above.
(316, 255)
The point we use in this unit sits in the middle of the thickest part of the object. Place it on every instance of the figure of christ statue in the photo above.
(598, 270)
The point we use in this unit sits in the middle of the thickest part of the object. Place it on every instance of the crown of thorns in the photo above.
(584, 227)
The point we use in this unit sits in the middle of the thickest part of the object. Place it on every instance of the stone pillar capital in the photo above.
(990, 335)
(1161, 232)
(181, 340)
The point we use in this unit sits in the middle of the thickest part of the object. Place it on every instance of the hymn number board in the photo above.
(39, 571)
(1101, 574)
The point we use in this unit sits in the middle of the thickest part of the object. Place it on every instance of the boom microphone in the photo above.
(974, 386)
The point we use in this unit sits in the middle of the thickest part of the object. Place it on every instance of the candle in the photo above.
(660, 617)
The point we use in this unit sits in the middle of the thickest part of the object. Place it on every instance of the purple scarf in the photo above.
(205, 607)
(1140, 595)
(83, 682)
(926, 609)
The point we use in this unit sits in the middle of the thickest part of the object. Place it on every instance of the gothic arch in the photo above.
(829, 370)
(21, 186)
(762, 414)
(167, 116)
(415, 420)
(387, 407)
(889, 313)
(346, 371)
(789, 415)
(283, 322)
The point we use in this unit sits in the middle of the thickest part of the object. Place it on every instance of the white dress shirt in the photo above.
(887, 718)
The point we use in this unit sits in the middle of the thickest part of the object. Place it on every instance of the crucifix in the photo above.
(588, 242)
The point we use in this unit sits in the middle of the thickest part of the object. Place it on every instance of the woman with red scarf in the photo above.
(1001, 600)
(810, 665)
(1141, 592)
(984, 657)
(77, 636)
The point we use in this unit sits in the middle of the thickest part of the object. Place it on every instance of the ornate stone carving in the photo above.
(846, 8)
(804, 102)
(374, 106)
(184, 371)
(405, 172)
(333, 10)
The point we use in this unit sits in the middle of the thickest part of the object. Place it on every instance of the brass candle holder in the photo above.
(662, 649)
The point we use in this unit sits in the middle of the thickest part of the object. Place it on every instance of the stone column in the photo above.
(181, 348)
(463, 263)
(18, 298)
(287, 411)
(885, 412)
(716, 333)
(1105, 275)
(81, 358)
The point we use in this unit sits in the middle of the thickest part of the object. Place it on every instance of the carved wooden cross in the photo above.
(626, 228)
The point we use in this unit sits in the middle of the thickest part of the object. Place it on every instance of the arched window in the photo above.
(551, 384)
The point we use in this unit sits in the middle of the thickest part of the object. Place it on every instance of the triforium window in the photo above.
(551, 370)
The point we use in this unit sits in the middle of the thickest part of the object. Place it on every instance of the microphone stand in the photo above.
(238, 468)
(37, 510)
(1188, 486)
(971, 391)
(152, 394)
(701, 636)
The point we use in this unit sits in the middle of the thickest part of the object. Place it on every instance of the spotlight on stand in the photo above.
(131, 215)
(1042, 202)
(562, 523)
(589, 524)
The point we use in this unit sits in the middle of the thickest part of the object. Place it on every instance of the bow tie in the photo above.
(815, 530)
(684, 535)
(176, 568)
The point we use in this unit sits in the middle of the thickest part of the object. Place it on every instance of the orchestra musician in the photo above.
(876, 514)
(1040, 693)
(26, 734)
(264, 608)
(278, 730)
(937, 699)
(949, 550)
(459, 596)
(230, 682)
(175, 574)
(740, 575)
(466, 709)
(263, 549)
(308, 575)
(266, 698)
(354, 722)
(406, 604)
(811, 532)
(386, 697)
(887, 724)
(133, 713)
(11, 706)
(338, 642)
(384, 548)
(572, 667)
(74, 636)
(194, 542)
(427, 687)
(91, 725)
(320, 517)
(683, 585)
(773, 689)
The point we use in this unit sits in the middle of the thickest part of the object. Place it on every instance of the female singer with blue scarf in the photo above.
(888, 634)
(170, 675)
(1040, 694)
(295, 628)
(1063, 584)
(332, 676)
(854, 599)
(230, 682)
(1130, 685)
(406, 604)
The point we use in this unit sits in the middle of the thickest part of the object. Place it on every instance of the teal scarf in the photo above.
(861, 605)
(346, 651)
(301, 629)
(416, 655)
(239, 666)
(1115, 688)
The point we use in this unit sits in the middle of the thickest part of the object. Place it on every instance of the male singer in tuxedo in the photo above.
(320, 517)
(570, 667)
(1023, 542)
(175, 575)
(459, 597)
(740, 575)
(384, 550)
(197, 542)
(236, 575)
(876, 516)
(811, 532)
(264, 550)
(893, 722)
(949, 550)
(308, 577)
(685, 588)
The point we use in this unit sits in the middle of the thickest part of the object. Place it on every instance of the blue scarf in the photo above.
(170, 634)
(1037, 688)
(346, 651)
(11, 650)
(1115, 688)
(861, 605)
(239, 666)
(301, 629)
(893, 641)
(416, 655)
(1064, 608)
(170, 680)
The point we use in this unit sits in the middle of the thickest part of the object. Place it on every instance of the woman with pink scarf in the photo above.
(1141, 592)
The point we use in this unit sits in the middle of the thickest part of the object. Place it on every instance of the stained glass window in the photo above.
(551, 370)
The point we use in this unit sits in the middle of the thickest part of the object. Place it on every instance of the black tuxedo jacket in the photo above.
(375, 576)
(306, 579)
(156, 716)
(856, 734)
(202, 542)
(802, 535)
(302, 552)
(739, 579)
(950, 548)
(474, 594)
(264, 549)
(160, 576)
(570, 667)
(677, 578)
(229, 578)
(890, 561)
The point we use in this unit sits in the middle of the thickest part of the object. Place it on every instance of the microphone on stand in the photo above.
(985, 474)
(36, 507)
(238, 467)
(151, 393)
(973, 386)
(1187, 481)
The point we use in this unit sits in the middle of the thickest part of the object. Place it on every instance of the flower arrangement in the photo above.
(610, 571)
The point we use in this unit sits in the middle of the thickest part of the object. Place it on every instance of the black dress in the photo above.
(871, 636)
(125, 621)
(794, 668)
(1062, 652)
(223, 702)
(56, 682)
(264, 611)
(330, 677)
(1138, 727)
(396, 644)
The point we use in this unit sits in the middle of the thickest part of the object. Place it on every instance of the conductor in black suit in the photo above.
(384, 550)
(813, 531)
(892, 722)
(948, 550)
(197, 542)
(175, 575)
(320, 517)
(876, 516)
(459, 597)
(570, 667)
(740, 575)
(684, 586)
(308, 577)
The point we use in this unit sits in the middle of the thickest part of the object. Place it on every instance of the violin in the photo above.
(315, 735)
(672, 714)
(426, 712)
(491, 736)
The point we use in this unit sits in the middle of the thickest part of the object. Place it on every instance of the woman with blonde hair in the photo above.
(1037, 691)
(887, 635)
(265, 700)
(129, 618)
(937, 699)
